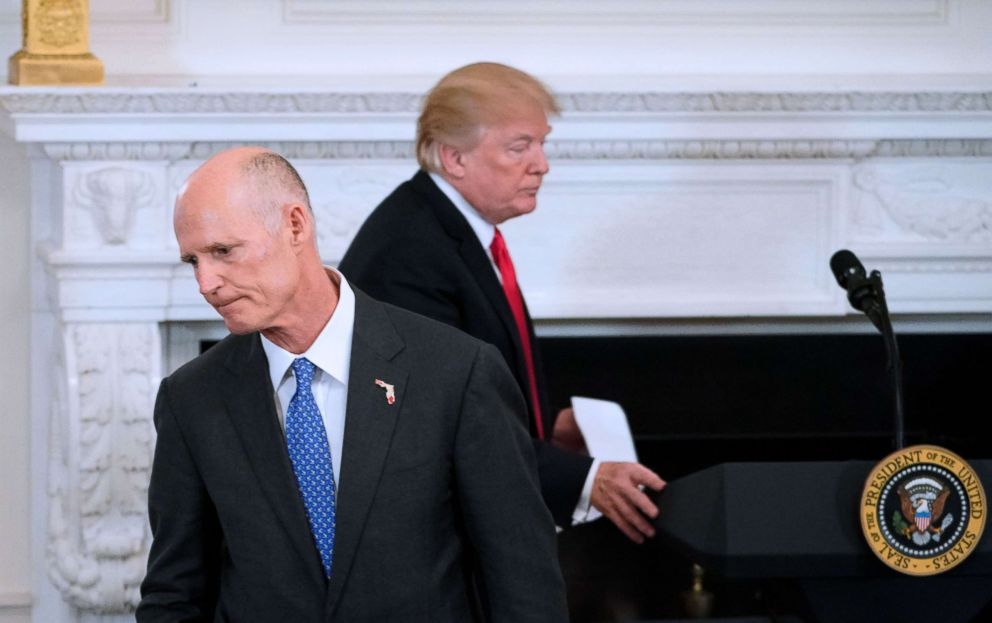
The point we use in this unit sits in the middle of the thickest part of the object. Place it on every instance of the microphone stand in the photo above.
(869, 296)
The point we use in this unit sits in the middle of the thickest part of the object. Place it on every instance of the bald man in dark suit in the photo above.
(335, 458)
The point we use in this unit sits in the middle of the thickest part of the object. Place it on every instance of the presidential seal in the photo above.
(923, 510)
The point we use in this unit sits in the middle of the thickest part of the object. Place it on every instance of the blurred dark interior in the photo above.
(696, 401)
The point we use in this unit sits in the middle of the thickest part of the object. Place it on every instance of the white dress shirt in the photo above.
(485, 232)
(331, 354)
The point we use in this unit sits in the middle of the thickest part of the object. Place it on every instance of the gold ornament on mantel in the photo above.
(56, 45)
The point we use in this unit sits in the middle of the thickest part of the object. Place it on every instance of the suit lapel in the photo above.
(481, 268)
(251, 407)
(369, 424)
(474, 256)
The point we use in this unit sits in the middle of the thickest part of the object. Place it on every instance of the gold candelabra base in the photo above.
(26, 69)
(55, 47)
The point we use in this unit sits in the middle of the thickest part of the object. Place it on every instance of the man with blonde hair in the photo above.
(335, 458)
(432, 246)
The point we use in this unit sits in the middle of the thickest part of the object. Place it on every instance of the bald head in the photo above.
(276, 182)
(259, 180)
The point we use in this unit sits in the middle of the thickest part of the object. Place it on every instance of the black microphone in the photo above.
(866, 293)
(861, 290)
(845, 265)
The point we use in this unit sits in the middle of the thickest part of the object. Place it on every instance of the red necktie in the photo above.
(505, 265)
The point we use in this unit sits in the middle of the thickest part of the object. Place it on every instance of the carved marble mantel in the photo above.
(685, 204)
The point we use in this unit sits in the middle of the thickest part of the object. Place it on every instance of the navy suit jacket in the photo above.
(417, 251)
(445, 471)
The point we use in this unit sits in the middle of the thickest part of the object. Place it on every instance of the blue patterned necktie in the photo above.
(310, 454)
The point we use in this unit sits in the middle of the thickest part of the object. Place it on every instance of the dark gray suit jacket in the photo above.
(444, 470)
(417, 251)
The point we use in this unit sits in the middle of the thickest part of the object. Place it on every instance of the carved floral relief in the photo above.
(101, 446)
(60, 22)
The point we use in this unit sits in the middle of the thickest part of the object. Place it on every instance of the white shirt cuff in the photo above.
(584, 510)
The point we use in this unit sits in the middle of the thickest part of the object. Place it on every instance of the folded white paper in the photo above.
(605, 429)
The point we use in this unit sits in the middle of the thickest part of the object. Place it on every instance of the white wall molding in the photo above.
(122, 100)
(556, 149)
(130, 11)
(667, 239)
(210, 101)
(758, 124)
(117, 151)
(947, 148)
(763, 102)
(654, 13)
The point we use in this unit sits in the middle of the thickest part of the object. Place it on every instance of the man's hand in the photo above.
(616, 494)
(566, 433)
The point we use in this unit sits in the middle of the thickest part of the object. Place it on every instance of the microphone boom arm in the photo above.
(866, 294)
(878, 312)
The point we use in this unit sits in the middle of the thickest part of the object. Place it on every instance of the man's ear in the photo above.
(300, 223)
(452, 161)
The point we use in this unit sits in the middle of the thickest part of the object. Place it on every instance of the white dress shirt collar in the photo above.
(331, 351)
(484, 230)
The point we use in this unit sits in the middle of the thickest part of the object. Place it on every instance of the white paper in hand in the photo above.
(604, 428)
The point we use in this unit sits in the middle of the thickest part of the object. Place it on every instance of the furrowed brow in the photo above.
(190, 258)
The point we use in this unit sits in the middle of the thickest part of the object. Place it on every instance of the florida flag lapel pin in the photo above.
(390, 390)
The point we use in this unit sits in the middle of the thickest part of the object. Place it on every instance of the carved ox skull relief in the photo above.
(112, 196)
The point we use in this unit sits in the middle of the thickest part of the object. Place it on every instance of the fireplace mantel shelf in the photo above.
(229, 111)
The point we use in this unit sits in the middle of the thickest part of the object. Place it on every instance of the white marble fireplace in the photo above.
(680, 210)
